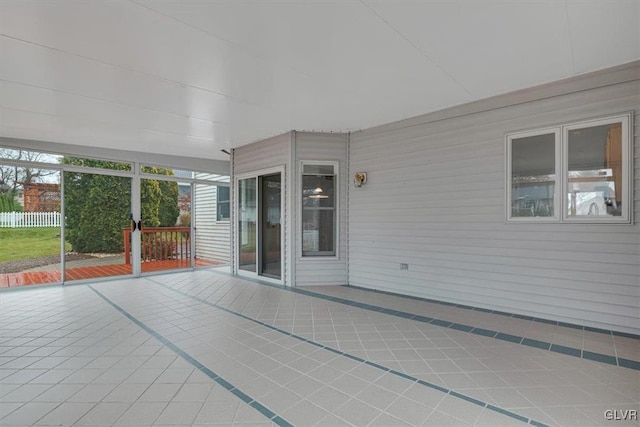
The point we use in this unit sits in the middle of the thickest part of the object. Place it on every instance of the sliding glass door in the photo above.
(97, 209)
(165, 208)
(270, 247)
(69, 218)
(30, 226)
(259, 235)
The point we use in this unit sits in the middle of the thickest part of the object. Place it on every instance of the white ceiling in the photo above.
(193, 77)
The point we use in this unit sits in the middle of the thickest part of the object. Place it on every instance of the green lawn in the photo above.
(26, 243)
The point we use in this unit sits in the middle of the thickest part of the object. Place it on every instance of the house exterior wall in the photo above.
(265, 154)
(435, 199)
(212, 236)
(322, 147)
(262, 154)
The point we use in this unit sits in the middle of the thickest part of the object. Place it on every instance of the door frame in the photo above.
(137, 213)
(135, 243)
(283, 218)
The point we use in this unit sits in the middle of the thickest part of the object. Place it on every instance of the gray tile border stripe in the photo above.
(272, 416)
(501, 313)
(537, 424)
(611, 360)
(356, 358)
(543, 345)
(513, 415)
(508, 337)
(535, 343)
(570, 351)
(631, 364)
(478, 402)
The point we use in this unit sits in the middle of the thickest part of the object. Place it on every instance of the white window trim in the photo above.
(223, 220)
(556, 191)
(561, 133)
(627, 200)
(336, 170)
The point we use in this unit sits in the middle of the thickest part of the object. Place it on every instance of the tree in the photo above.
(159, 199)
(97, 207)
(12, 177)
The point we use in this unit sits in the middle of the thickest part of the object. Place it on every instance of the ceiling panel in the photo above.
(604, 33)
(198, 76)
(46, 68)
(56, 128)
(46, 101)
(339, 42)
(488, 47)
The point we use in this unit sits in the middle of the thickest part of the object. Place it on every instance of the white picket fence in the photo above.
(29, 219)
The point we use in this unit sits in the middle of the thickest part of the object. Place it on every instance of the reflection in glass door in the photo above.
(97, 210)
(270, 196)
(247, 220)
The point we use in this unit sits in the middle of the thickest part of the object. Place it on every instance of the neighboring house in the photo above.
(184, 190)
(19, 196)
(41, 197)
(208, 210)
(211, 220)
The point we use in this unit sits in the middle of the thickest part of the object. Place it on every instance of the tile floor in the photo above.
(204, 348)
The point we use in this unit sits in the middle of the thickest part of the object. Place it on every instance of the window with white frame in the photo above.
(223, 205)
(319, 209)
(578, 172)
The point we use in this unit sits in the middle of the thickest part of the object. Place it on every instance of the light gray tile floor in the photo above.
(199, 348)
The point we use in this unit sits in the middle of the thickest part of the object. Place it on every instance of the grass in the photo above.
(28, 243)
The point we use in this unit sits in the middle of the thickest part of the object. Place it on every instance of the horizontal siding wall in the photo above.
(327, 147)
(265, 154)
(212, 236)
(262, 155)
(435, 199)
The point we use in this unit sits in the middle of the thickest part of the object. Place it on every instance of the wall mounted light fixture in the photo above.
(359, 179)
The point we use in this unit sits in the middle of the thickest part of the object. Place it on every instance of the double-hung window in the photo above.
(578, 172)
(319, 188)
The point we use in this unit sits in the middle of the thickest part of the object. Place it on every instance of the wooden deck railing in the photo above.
(160, 243)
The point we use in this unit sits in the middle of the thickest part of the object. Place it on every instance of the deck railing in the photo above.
(160, 243)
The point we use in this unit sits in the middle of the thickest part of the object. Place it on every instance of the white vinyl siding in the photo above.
(435, 198)
(212, 237)
(260, 155)
(327, 147)
(266, 154)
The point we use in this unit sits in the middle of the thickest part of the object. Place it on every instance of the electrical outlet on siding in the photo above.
(404, 266)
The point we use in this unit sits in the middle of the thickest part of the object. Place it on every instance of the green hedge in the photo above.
(98, 207)
(8, 203)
